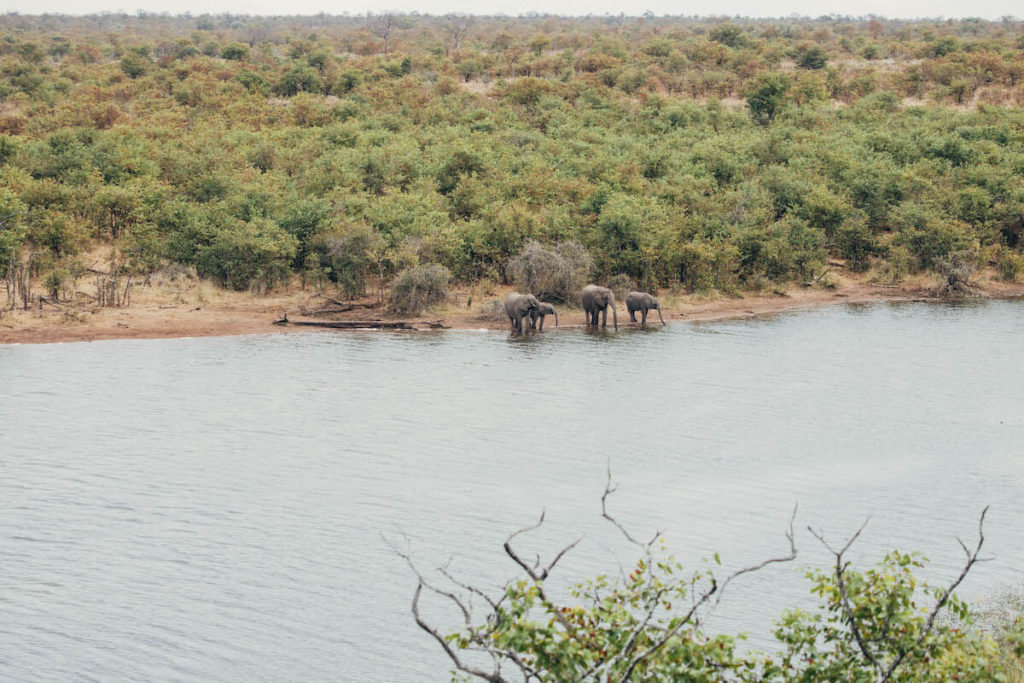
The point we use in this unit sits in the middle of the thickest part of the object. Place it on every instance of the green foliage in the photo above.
(249, 255)
(1009, 264)
(298, 79)
(461, 164)
(568, 130)
(728, 34)
(927, 235)
(869, 625)
(787, 249)
(11, 235)
(304, 218)
(135, 65)
(767, 98)
(235, 51)
(349, 257)
(893, 631)
(811, 57)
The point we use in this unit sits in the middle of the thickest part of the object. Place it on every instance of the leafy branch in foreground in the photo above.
(649, 625)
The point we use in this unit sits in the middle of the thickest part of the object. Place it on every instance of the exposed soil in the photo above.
(197, 309)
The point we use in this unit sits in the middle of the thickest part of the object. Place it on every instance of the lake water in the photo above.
(213, 509)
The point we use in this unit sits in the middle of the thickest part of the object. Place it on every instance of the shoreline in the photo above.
(245, 314)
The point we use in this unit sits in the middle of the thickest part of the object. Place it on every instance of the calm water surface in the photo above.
(213, 509)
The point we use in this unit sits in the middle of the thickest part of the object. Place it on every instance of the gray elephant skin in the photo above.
(596, 300)
(643, 302)
(519, 308)
(543, 310)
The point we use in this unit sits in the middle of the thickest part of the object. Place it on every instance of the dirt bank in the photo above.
(199, 310)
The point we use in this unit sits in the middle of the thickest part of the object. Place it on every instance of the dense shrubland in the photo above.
(706, 154)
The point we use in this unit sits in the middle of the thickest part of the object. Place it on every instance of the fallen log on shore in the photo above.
(365, 324)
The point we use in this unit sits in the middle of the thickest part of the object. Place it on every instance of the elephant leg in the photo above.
(604, 317)
(643, 316)
(632, 316)
(540, 325)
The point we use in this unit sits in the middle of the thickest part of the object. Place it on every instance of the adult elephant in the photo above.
(519, 308)
(643, 302)
(543, 310)
(598, 300)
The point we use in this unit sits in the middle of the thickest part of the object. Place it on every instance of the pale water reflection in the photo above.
(212, 509)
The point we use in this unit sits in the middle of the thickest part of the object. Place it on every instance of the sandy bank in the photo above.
(198, 311)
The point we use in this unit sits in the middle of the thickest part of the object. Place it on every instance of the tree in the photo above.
(11, 234)
(254, 255)
(878, 626)
(135, 65)
(457, 27)
(382, 26)
(235, 51)
(728, 34)
(767, 98)
(812, 57)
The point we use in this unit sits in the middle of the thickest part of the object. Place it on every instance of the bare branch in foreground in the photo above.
(972, 559)
(841, 584)
(692, 615)
(493, 677)
(886, 671)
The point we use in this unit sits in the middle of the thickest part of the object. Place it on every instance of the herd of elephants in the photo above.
(521, 308)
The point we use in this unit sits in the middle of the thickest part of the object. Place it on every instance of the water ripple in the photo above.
(211, 509)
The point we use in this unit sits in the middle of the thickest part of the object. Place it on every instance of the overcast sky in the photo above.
(989, 9)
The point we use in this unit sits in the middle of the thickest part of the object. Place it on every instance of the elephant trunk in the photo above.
(659, 315)
(615, 317)
(556, 318)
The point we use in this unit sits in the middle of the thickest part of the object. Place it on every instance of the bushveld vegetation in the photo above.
(703, 154)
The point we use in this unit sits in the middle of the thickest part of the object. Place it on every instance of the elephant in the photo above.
(597, 300)
(643, 302)
(543, 309)
(518, 308)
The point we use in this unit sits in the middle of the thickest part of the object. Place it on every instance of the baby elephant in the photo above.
(643, 302)
(520, 308)
(543, 310)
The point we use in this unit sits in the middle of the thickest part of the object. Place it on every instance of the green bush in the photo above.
(235, 51)
(1009, 264)
(930, 243)
(255, 255)
(768, 98)
(857, 244)
(135, 65)
(812, 57)
(348, 257)
(883, 623)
